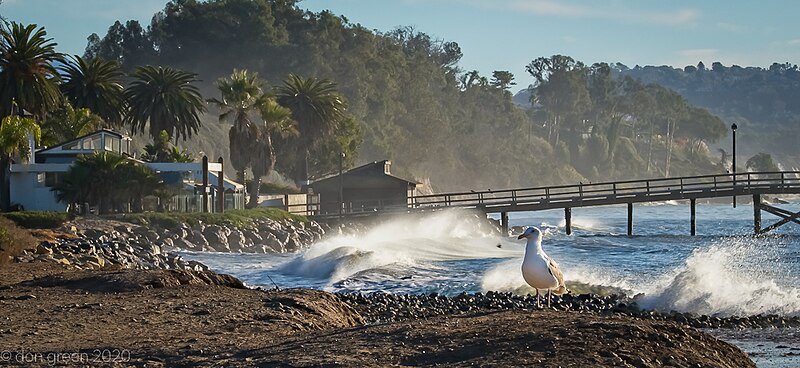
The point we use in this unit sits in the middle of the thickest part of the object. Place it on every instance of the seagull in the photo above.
(539, 270)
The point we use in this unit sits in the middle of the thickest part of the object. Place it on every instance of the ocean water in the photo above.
(722, 271)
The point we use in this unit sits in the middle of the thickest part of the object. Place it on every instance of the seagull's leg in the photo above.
(538, 301)
(548, 298)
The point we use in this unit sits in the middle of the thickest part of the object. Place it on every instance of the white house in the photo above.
(31, 182)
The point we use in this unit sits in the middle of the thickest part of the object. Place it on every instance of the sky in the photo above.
(508, 34)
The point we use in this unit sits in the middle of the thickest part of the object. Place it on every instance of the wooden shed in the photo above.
(370, 187)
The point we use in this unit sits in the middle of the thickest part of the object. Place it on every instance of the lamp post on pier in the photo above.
(341, 183)
(733, 168)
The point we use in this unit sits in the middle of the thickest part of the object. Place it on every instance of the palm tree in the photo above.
(135, 182)
(95, 84)
(27, 74)
(316, 106)
(162, 151)
(68, 123)
(95, 179)
(241, 96)
(276, 119)
(167, 99)
(14, 134)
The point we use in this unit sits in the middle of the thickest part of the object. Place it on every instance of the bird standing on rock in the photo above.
(539, 270)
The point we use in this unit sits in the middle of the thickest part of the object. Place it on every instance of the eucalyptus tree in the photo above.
(27, 72)
(672, 107)
(560, 89)
(317, 107)
(95, 84)
(15, 132)
(164, 98)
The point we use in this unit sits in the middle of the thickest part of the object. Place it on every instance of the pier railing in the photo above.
(582, 194)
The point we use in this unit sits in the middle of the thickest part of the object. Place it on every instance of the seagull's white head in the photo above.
(531, 233)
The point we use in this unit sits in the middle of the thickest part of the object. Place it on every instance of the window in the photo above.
(52, 179)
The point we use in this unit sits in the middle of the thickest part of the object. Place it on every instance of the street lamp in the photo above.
(733, 169)
(341, 183)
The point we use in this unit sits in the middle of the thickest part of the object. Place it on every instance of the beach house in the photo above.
(366, 188)
(31, 182)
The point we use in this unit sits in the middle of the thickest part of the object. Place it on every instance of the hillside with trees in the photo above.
(761, 101)
(273, 88)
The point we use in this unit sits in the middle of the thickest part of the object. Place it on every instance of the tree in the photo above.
(92, 179)
(94, 84)
(135, 181)
(276, 119)
(27, 74)
(761, 162)
(502, 79)
(68, 123)
(15, 132)
(316, 106)
(561, 90)
(107, 181)
(242, 96)
(162, 151)
(166, 99)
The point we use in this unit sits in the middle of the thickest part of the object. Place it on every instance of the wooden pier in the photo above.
(630, 192)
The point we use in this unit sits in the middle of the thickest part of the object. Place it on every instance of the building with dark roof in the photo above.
(369, 187)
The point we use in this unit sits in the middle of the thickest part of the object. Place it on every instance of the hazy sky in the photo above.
(508, 34)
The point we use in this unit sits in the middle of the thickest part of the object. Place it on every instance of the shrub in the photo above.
(37, 219)
(13, 240)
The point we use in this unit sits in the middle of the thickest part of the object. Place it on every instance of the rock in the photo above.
(44, 248)
(271, 242)
(199, 240)
(237, 241)
(217, 238)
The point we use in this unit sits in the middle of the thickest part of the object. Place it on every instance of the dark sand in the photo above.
(187, 319)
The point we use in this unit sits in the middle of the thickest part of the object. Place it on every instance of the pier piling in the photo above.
(757, 214)
(504, 223)
(630, 219)
(693, 205)
(568, 220)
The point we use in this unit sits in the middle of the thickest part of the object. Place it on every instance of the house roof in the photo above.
(375, 169)
(62, 144)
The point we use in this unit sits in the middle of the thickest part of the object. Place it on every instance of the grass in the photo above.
(13, 240)
(272, 188)
(37, 219)
(235, 218)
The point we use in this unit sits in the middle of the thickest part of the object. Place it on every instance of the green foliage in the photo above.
(237, 218)
(164, 98)
(251, 141)
(161, 150)
(408, 99)
(14, 132)
(37, 219)
(108, 181)
(13, 240)
(67, 123)
(27, 74)
(278, 189)
(317, 107)
(761, 162)
(94, 84)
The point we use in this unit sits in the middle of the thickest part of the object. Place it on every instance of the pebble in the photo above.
(384, 307)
